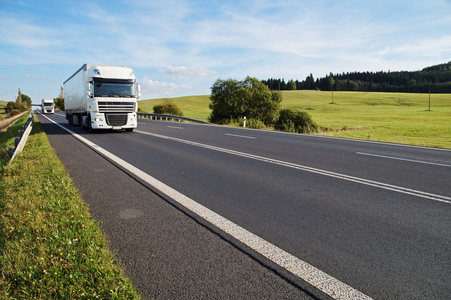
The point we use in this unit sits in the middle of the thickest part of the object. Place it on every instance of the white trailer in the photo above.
(102, 97)
(48, 107)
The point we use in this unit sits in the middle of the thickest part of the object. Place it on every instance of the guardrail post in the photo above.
(11, 151)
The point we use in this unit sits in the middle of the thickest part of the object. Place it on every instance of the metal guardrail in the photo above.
(22, 139)
(169, 118)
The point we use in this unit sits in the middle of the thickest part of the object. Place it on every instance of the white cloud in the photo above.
(17, 32)
(157, 89)
(185, 73)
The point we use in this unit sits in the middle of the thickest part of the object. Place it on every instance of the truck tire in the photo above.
(79, 121)
(70, 119)
(90, 126)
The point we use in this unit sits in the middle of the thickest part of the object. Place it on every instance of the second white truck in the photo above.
(48, 107)
(102, 97)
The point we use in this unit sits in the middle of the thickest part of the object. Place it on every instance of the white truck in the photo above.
(102, 97)
(48, 107)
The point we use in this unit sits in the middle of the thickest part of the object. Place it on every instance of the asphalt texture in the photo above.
(388, 244)
(168, 253)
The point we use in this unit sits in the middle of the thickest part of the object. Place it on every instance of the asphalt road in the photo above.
(374, 216)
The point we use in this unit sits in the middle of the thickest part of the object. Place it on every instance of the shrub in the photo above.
(167, 108)
(255, 123)
(14, 112)
(10, 106)
(295, 121)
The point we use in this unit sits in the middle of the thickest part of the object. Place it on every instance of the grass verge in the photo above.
(402, 118)
(50, 247)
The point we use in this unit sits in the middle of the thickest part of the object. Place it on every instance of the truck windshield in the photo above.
(48, 104)
(106, 89)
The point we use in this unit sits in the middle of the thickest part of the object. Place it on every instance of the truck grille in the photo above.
(116, 119)
(108, 106)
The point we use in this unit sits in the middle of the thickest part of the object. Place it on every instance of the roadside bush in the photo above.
(167, 108)
(255, 123)
(295, 121)
(14, 112)
(250, 123)
(10, 106)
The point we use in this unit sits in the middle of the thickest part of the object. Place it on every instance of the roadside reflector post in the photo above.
(244, 123)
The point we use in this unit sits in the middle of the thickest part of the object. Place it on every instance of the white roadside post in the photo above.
(244, 123)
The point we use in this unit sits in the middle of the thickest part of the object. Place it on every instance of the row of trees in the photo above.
(435, 79)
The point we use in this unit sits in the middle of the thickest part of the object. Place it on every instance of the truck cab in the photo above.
(48, 106)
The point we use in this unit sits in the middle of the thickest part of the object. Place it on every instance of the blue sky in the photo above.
(179, 48)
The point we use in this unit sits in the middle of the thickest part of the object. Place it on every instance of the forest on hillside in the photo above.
(435, 79)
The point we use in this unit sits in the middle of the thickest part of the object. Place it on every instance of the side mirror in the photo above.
(89, 89)
(138, 91)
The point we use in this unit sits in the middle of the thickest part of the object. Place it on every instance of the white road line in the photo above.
(404, 159)
(175, 127)
(399, 189)
(241, 136)
(317, 278)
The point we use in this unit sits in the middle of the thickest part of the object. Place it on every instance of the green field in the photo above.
(195, 107)
(389, 117)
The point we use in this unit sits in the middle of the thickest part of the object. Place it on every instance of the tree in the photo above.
(19, 98)
(232, 99)
(26, 101)
(291, 85)
(59, 103)
(310, 82)
(330, 83)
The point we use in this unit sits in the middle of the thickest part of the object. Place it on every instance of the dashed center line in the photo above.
(241, 136)
(405, 159)
(381, 185)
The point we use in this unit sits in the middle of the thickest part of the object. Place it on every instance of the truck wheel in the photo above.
(70, 119)
(83, 125)
(90, 126)
(128, 129)
(79, 121)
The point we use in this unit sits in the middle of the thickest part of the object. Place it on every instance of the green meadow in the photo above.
(402, 118)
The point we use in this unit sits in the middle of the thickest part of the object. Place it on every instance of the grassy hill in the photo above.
(389, 117)
(195, 107)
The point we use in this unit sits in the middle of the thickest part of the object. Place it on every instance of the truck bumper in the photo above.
(114, 121)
